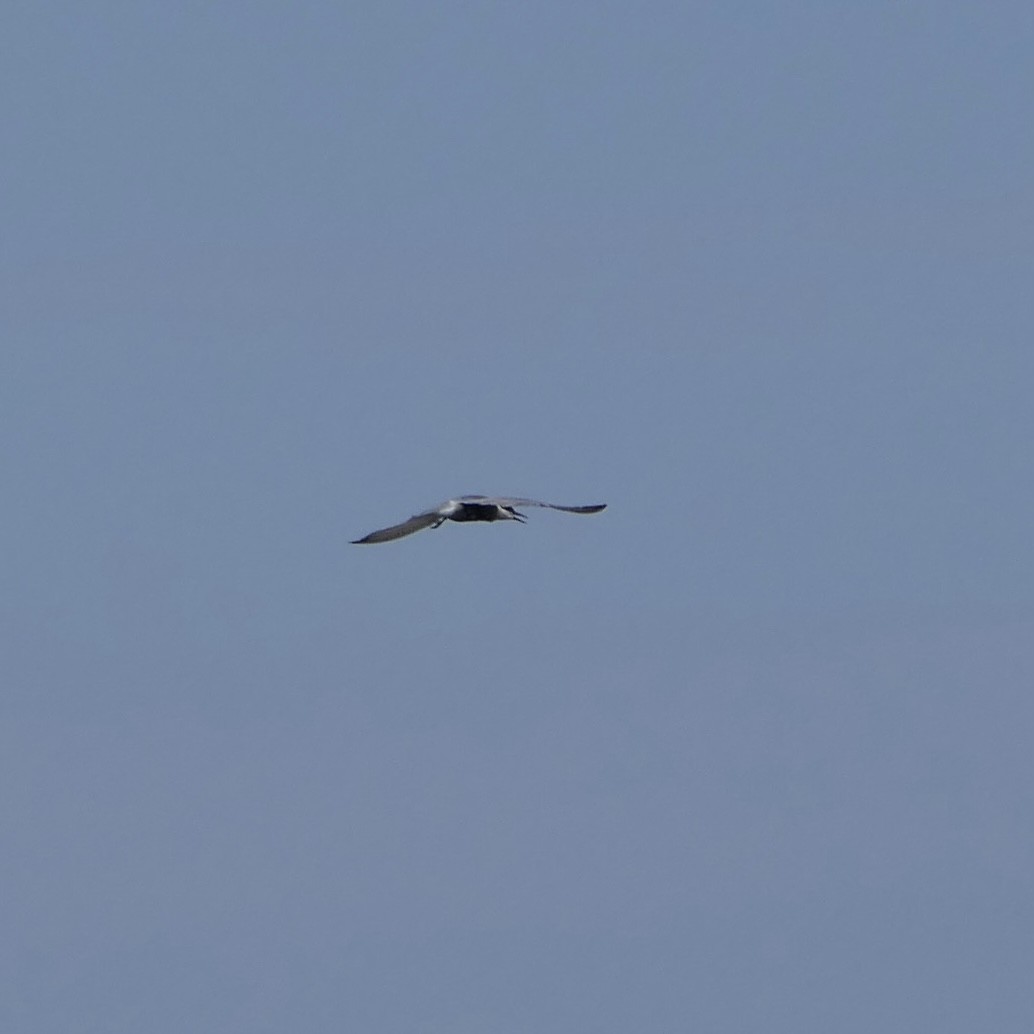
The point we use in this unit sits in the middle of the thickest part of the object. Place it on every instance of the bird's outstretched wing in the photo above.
(417, 522)
(595, 508)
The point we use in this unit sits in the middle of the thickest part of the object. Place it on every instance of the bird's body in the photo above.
(467, 508)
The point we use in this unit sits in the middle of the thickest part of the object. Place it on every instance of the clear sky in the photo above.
(750, 751)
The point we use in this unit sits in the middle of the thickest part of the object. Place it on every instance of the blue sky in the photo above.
(748, 751)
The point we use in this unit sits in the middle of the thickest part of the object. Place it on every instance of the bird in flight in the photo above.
(467, 508)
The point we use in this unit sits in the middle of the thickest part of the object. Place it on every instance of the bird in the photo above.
(467, 508)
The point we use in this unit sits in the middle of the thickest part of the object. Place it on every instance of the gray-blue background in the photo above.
(751, 751)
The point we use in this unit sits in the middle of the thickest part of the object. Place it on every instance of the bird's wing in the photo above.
(595, 508)
(415, 523)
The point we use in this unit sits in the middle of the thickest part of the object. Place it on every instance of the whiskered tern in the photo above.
(467, 508)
